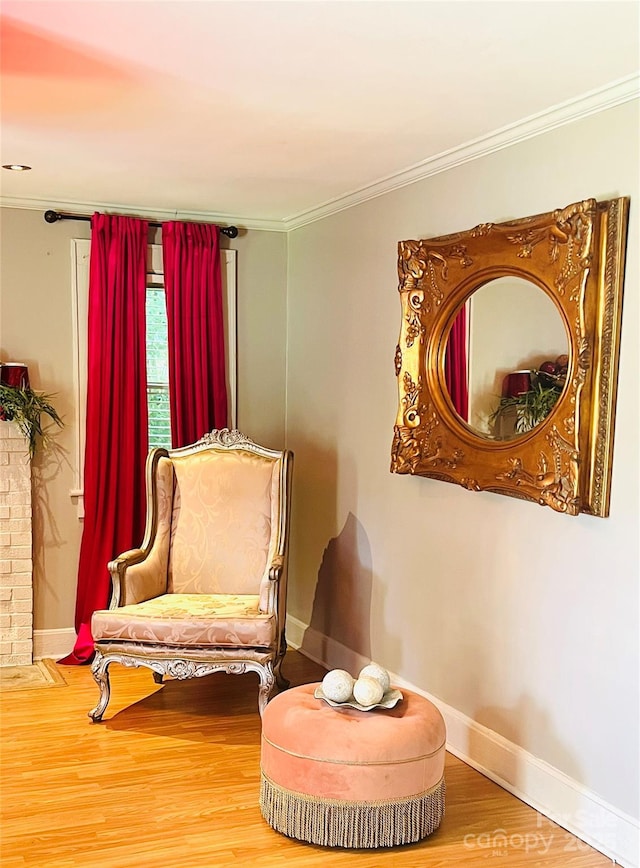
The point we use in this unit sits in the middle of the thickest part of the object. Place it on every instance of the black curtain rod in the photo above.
(54, 216)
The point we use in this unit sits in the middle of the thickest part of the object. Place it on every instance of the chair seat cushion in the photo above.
(188, 619)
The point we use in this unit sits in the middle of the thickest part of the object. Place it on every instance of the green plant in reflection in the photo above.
(531, 407)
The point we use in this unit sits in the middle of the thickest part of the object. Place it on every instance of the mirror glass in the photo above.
(506, 358)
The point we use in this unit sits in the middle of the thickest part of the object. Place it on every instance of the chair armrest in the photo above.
(270, 585)
(137, 575)
(141, 574)
(133, 556)
(275, 570)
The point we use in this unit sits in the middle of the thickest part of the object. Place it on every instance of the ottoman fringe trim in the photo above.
(358, 825)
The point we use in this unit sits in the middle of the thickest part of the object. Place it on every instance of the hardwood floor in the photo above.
(171, 778)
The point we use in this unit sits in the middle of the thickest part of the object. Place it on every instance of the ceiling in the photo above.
(272, 112)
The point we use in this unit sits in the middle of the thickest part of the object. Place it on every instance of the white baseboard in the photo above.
(549, 791)
(295, 632)
(319, 648)
(53, 644)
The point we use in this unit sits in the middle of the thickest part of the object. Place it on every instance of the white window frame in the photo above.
(80, 248)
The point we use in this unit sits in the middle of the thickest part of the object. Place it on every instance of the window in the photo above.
(157, 367)
(157, 356)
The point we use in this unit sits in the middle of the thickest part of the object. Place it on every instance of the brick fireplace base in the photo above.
(16, 553)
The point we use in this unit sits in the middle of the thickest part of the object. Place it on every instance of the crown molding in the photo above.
(595, 101)
(160, 215)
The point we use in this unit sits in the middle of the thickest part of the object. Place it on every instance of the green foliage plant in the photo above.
(26, 407)
(531, 407)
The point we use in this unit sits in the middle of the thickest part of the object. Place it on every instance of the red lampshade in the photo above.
(14, 374)
(516, 383)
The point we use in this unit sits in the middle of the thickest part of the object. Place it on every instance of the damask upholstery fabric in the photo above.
(221, 539)
(149, 578)
(188, 619)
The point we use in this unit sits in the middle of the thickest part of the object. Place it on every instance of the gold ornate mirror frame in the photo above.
(576, 256)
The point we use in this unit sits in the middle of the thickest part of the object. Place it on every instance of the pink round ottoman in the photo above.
(348, 778)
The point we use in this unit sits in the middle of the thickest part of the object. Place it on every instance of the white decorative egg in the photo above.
(337, 685)
(377, 672)
(367, 690)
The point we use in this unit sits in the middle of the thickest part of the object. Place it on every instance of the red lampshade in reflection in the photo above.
(516, 383)
(14, 374)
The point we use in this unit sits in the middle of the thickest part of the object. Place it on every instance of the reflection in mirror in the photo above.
(517, 354)
(456, 363)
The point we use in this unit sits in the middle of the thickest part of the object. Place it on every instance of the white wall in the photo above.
(524, 620)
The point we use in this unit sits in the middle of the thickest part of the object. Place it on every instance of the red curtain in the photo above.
(193, 287)
(455, 365)
(117, 439)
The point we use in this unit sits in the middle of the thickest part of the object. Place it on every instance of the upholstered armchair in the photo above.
(207, 589)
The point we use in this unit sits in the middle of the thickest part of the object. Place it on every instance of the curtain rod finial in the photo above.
(51, 216)
(230, 231)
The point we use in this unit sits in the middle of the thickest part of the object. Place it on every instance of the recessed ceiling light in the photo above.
(17, 167)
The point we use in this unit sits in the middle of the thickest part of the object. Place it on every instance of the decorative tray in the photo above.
(389, 700)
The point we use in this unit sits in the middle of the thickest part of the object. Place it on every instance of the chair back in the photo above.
(225, 520)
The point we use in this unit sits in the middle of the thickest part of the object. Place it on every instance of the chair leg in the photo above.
(267, 681)
(282, 682)
(100, 670)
